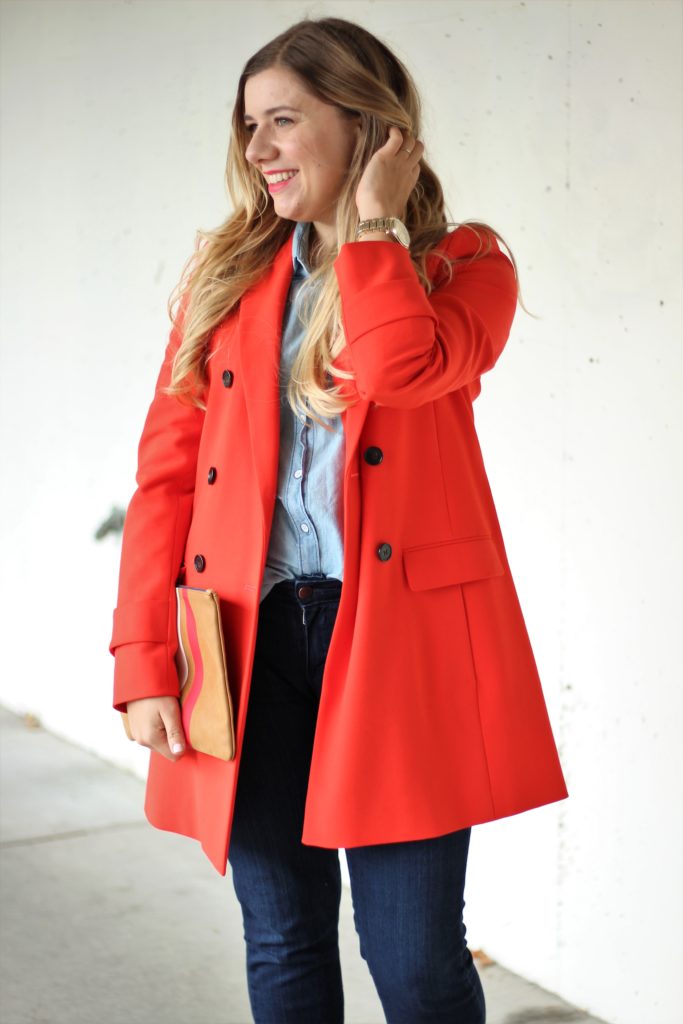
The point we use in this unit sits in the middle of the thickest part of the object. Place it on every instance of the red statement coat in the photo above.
(432, 716)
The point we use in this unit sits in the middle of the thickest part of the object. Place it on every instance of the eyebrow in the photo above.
(273, 110)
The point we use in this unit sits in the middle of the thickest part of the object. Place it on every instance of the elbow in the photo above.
(391, 365)
(424, 371)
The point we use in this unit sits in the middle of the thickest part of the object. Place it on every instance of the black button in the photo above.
(384, 552)
(304, 591)
(199, 563)
(373, 455)
(227, 378)
(212, 475)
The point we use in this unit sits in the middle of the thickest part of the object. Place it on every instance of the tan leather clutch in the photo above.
(205, 702)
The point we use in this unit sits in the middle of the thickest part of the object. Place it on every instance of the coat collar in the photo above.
(261, 314)
(300, 239)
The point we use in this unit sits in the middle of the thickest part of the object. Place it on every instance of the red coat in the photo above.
(432, 716)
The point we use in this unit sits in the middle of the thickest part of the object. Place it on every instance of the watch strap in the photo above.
(386, 224)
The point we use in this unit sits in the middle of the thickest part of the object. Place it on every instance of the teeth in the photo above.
(273, 178)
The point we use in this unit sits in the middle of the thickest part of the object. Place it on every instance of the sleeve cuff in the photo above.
(147, 621)
(143, 670)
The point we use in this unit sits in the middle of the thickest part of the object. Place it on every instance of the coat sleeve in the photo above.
(407, 348)
(154, 534)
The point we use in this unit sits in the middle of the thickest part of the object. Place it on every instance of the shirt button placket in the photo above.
(298, 473)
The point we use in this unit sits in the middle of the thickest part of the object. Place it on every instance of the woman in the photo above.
(310, 454)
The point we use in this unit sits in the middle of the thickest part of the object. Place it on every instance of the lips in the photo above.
(277, 186)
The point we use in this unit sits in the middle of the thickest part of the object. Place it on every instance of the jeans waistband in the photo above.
(308, 589)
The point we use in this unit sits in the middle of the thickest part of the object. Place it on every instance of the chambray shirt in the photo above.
(306, 536)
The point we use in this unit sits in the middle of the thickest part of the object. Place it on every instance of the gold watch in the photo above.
(391, 225)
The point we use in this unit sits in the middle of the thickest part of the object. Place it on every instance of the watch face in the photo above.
(400, 230)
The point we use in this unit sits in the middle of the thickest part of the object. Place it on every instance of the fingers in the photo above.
(155, 722)
(395, 140)
(405, 144)
(390, 176)
(417, 150)
(412, 149)
(175, 737)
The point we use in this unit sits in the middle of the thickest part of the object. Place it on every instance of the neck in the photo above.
(322, 238)
(316, 249)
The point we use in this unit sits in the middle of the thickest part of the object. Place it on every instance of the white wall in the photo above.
(559, 123)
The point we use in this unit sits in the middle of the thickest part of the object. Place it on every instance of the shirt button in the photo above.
(304, 527)
(227, 378)
(199, 563)
(298, 473)
(211, 475)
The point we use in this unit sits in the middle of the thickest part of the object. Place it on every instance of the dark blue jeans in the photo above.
(407, 896)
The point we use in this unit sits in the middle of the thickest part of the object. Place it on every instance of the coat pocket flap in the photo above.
(451, 561)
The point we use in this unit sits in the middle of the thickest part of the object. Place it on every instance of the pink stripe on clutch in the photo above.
(196, 679)
(204, 692)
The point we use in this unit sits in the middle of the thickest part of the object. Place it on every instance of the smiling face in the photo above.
(302, 146)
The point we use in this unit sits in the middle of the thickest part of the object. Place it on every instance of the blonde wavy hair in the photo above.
(344, 65)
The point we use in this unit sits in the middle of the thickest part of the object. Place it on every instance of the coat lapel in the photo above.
(260, 327)
(261, 316)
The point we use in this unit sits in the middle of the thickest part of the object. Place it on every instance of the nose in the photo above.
(260, 146)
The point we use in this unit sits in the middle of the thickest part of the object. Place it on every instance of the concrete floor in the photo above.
(101, 923)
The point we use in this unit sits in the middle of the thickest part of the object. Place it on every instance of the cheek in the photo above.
(315, 156)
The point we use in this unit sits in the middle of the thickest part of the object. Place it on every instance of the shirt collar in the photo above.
(300, 247)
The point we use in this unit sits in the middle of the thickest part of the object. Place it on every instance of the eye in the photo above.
(249, 128)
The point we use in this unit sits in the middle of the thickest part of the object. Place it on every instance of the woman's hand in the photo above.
(390, 176)
(155, 722)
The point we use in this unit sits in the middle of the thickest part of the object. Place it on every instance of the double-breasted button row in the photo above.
(373, 456)
(199, 560)
(383, 553)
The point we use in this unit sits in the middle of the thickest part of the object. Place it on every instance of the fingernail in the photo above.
(177, 748)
